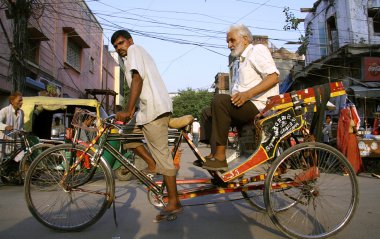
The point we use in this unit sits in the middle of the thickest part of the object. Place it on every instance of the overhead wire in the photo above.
(153, 35)
(195, 13)
(180, 42)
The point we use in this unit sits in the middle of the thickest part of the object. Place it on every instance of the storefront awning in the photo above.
(37, 85)
(361, 91)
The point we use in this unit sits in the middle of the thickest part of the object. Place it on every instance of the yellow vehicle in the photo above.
(41, 112)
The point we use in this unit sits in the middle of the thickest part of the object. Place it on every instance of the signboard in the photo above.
(371, 68)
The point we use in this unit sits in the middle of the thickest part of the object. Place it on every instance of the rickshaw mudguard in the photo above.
(273, 129)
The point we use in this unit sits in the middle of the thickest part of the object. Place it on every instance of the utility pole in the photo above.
(19, 11)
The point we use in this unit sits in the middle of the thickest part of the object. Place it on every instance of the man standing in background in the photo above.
(195, 131)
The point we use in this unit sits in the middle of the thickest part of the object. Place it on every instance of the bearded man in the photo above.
(258, 79)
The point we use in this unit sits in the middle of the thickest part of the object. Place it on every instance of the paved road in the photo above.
(222, 220)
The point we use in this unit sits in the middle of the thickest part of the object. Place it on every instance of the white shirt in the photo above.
(195, 127)
(12, 119)
(256, 63)
(154, 98)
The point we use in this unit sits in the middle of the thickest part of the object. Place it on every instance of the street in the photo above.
(224, 219)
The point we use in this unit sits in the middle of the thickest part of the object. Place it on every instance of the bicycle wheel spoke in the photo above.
(63, 198)
(324, 191)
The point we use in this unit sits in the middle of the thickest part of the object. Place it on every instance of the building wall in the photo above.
(119, 79)
(352, 24)
(5, 54)
(62, 22)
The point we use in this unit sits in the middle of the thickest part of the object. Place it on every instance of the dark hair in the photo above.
(123, 33)
(14, 95)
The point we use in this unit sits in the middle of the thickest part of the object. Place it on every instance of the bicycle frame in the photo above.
(219, 182)
(271, 131)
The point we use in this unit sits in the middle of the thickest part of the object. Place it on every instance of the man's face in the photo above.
(121, 45)
(236, 43)
(17, 103)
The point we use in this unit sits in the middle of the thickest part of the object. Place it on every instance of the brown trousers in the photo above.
(217, 119)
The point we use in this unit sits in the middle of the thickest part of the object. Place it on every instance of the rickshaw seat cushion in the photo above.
(180, 122)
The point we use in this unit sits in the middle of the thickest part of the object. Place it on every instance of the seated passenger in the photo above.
(257, 80)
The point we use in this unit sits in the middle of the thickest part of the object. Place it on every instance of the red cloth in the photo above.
(343, 127)
(353, 153)
(347, 142)
(375, 130)
(355, 116)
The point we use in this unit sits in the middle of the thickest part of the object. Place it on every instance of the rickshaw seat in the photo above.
(180, 122)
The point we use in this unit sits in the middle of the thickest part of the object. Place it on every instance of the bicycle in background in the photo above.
(17, 151)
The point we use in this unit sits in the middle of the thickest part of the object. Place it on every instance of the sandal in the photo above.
(199, 162)
(209, 157)
(168, 215)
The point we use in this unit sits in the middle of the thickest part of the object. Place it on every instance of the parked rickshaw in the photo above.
(40, 113)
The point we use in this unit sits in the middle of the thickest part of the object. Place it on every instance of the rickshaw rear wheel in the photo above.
(318, 188)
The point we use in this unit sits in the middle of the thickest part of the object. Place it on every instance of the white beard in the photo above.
(238, 50)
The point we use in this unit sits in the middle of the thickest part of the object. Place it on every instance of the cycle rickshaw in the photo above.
(310, 190)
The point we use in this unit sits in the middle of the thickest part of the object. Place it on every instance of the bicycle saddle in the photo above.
(180, 122)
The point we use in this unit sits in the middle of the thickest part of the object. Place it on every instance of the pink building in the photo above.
(65, 53)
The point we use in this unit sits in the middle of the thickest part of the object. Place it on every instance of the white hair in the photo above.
(242, 30)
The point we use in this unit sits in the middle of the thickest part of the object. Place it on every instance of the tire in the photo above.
(255, 197)
(311, 191)
(27, 160)
(77, 204)
(123, 174)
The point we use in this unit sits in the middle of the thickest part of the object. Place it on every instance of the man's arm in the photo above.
(3, 118)
(238, 99)
(135, 91)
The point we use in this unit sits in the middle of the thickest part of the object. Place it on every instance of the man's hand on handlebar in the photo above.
(8, 127)
(124, 116)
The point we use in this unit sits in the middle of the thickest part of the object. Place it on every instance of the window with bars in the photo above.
(32, 53)
(322, 39)
(374, 13)
(73, 54)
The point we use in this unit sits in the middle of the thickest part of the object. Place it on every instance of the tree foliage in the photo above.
(292, 23)
(191, 102)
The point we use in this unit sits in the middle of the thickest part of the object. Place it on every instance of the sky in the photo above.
(187, 39)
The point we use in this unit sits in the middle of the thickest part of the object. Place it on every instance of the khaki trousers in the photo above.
(156, 136)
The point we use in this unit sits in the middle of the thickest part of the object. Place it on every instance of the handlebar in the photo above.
(9, 133)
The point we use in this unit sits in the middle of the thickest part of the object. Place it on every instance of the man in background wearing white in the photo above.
(195, 131)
